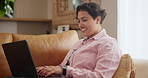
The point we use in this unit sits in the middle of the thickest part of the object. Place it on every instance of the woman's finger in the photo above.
(49, 73)
(39, 69)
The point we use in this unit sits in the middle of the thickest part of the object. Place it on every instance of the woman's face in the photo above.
(87, 24)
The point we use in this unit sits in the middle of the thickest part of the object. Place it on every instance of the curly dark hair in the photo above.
(93, 9)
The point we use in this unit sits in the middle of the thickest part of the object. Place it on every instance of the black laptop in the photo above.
(19, 59)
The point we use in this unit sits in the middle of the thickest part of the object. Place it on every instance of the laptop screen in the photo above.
(19, 59)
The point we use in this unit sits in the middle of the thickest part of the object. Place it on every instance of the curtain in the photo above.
(133, 27)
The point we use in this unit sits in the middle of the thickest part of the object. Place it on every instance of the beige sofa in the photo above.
(51, 50)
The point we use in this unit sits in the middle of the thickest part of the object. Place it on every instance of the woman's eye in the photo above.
(78, 21)
(84, 20)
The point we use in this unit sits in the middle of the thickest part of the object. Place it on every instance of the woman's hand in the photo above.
(49, 70)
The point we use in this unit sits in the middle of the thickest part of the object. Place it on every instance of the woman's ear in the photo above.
(98, 19)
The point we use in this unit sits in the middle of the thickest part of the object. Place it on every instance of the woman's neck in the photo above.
(99, 29)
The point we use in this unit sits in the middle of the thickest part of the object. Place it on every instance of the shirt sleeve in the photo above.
(108, 59)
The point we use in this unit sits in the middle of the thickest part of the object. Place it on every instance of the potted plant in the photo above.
(6, 8)
(2, 8)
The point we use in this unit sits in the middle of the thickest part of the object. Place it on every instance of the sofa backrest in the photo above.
(49, 49)
(45, 49)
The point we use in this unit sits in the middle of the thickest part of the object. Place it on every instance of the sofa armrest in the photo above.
(125, 68)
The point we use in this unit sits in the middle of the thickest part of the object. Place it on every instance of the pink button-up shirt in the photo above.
(96, 57)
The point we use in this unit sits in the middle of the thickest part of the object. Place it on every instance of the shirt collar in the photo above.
(97, 36)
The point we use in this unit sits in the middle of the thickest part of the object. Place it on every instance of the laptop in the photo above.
(19, 59)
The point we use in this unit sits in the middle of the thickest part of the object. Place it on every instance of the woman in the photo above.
(96, 56)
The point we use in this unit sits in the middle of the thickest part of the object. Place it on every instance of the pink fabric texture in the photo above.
(96, 57)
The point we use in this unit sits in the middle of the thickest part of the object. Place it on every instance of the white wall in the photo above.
(31, 9)
(49, 8)
(110, 22)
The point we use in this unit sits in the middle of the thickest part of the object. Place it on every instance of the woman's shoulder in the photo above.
(106, 40)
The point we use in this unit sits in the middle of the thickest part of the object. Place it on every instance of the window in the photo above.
(133, 27)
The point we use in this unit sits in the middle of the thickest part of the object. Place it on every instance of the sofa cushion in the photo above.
(125, 68)
(4, 68)
(49, 49)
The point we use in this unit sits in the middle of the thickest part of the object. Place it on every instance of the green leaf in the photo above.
(10, 0)
(2, 13)
(2, 7)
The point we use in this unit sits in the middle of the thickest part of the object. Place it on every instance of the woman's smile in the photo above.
(83, 29)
